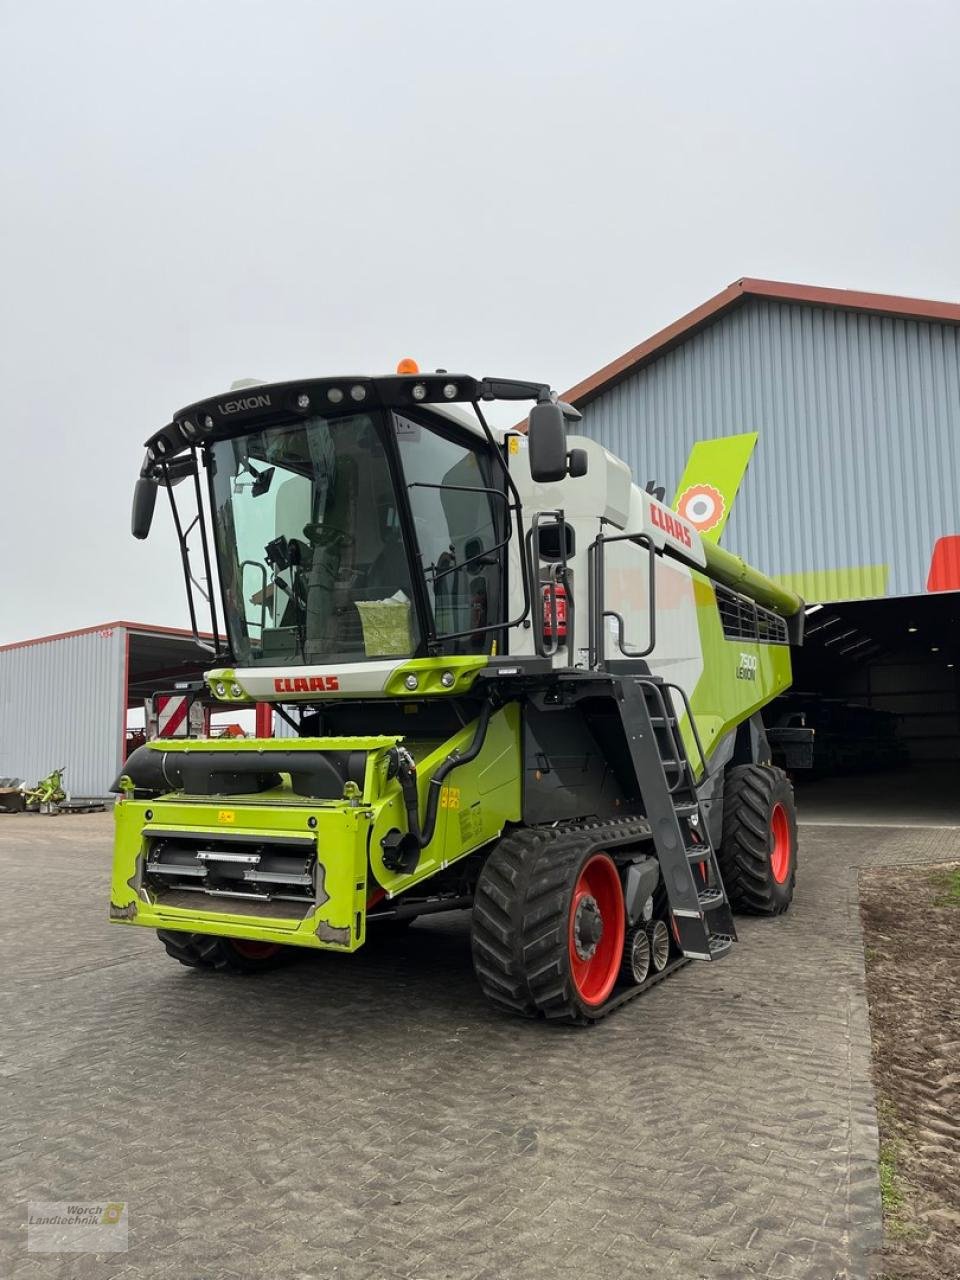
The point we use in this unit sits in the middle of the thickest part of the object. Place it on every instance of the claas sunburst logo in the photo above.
(702, 505)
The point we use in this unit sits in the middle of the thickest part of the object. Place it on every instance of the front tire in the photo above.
(548, 925)
(758, 853)
(227, 955)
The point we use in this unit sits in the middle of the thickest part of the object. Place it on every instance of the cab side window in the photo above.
(456, 520)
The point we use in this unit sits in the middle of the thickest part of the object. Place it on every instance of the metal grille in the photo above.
(742, 619)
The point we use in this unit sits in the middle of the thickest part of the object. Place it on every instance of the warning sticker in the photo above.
(471, 824)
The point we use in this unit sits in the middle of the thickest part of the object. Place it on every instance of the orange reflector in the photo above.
(407, 365)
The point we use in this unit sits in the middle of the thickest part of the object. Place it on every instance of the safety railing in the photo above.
(596, 571)
(545, 595)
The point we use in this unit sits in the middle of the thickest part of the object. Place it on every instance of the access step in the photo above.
(720, 944)
(710, 898)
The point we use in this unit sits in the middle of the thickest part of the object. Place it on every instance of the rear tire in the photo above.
(758, 853)
(548, 925)
(227, 955)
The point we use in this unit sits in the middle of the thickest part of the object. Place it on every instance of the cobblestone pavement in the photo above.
(372, 1117)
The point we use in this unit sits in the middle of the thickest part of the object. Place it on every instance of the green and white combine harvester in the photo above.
(517, 683)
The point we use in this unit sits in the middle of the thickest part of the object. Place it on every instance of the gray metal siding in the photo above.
(62, 702)
(858, 457)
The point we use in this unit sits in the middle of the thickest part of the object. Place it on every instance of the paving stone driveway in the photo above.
(372, 1117)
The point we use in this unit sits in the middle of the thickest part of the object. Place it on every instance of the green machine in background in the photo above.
(515, 683)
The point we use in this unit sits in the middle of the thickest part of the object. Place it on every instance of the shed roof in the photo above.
(137, 628)
(735, 295)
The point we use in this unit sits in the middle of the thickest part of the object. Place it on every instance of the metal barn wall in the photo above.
(62, 703)
(858, 454)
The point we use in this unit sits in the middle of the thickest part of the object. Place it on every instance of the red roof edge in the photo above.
(140, 627)
(775, 290)
(660, 343)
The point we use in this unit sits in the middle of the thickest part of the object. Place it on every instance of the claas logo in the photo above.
(670, 525)
(306, 684)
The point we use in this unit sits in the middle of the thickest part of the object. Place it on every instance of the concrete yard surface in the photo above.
(370, 1116)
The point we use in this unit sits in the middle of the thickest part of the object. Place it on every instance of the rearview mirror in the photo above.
(144, 501)
(547, 436)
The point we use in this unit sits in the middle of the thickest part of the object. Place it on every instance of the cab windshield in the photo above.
(310, 540)
(310, 547)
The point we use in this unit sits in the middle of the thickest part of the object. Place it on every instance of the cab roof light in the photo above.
(407, 365)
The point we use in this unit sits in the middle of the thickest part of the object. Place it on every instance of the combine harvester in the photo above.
(518, 682)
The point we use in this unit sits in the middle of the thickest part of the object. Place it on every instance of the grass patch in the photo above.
(891, 1194)
(947, 885)
(895, 1222)
(896, 1212)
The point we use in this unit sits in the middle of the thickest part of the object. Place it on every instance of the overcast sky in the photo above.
(195, 192)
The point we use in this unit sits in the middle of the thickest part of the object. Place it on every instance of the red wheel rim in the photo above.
(779, 844)
(251, 950)
(597, 897)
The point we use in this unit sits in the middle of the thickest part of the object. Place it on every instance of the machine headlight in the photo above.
(358, 393)
(236, 691)
(411, 681)
(334, 395)
(449, 391)
(419, 391)
(220, 689)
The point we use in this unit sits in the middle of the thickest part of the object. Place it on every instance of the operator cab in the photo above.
(352, 520)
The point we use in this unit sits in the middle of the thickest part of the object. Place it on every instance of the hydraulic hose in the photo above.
(407, 777)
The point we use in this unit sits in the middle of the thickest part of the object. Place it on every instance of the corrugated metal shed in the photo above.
(63, 702)
(858, 412)
(64, 698)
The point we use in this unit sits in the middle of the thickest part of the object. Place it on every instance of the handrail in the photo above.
(255, 564)
(671, 684)
(595, 593)
(560, 572)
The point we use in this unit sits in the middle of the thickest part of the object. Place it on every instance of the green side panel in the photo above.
(709, 484)
(820, 586)
(739, 677)
(476, 802)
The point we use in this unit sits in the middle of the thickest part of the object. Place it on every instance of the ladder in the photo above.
(700, 914)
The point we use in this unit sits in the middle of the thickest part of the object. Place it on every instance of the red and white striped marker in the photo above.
(172, 715)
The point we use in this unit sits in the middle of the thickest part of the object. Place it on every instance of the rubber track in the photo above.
(520, 918)
(744, 852)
